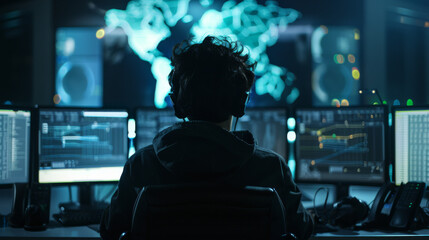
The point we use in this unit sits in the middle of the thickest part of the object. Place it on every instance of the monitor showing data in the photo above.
(336, 145)
(15, 132)
(150, 121)
(82, 145)
(411, 133)
(268, 126)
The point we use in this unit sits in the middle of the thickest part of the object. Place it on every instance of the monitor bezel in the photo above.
(72, 108)
(32, 152)
(393, 153)
(348, 181)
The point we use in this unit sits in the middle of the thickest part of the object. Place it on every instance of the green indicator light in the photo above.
(410, 102)
(384, 102)
(334, 135)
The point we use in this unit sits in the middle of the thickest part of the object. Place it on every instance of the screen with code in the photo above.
(78, 145)
(14, 146)
(411, 126)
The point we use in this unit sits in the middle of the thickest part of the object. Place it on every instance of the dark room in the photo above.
(214, 119)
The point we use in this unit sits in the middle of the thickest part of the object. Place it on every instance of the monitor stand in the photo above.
(341, 191)
(16, 217)
(86, 201)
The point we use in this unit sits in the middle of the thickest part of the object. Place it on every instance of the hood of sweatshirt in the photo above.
(202, 149)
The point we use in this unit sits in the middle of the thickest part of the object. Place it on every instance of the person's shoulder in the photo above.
(142, 153)
(264, 153)
(141, 158)
(274, 164)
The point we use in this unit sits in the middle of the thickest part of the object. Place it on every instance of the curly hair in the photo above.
(210, 81)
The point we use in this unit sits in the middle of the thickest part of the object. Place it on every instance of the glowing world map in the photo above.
(148, 22)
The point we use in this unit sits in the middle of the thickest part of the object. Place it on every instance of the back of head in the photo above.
(210, 81)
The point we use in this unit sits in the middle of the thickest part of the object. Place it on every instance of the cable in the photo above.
(324, 205)
(235, 123)
(70, 194)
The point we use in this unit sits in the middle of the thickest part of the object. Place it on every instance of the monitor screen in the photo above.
(411, 131)
(341, 145)
(150, 122)
(82, 145)
(268, 126)
(15, 132)
(79, 67)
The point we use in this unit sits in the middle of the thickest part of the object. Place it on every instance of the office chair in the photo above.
(207, 212)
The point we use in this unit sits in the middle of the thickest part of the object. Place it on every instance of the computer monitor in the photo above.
(411, 144)
(15, 135)
(342, 146)
(268, 126)
(150, 121)
(81, 145)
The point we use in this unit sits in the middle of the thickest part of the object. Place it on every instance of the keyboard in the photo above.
(79, 217)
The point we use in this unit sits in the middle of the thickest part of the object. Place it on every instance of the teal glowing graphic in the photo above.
(291, 123)
(257, 27)
(147, 23)
(206, 3)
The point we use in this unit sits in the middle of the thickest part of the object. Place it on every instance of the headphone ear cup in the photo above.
(172, 97)
(178, 111)
(241, 105)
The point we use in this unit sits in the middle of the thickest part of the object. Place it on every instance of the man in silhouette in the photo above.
(210, 82)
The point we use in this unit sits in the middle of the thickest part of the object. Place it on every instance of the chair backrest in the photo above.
(207, 212)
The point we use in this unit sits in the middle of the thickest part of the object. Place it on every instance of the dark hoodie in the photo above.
(204, 152)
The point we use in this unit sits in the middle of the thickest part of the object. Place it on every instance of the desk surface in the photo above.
(84, 232)
(56, 232)
(376, 234)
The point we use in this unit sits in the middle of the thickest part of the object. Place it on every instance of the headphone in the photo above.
(348, 212)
